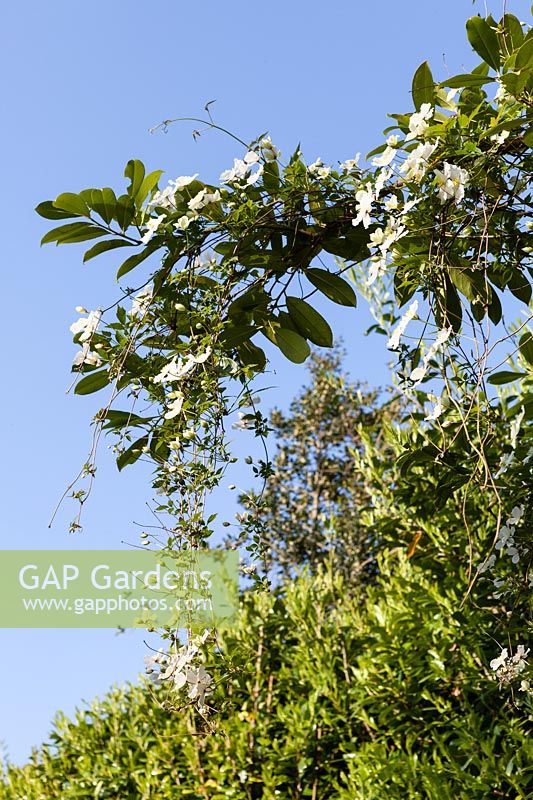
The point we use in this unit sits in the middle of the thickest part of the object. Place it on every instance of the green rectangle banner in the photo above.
(117, 588)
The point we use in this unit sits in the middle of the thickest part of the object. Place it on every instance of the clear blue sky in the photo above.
(82, 84)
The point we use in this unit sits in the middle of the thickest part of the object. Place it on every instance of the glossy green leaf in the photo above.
(505, 376)
(423, 86)
(309, 323)
(469, 80)
(125, 211)
(133, 452)
(48, 210)
(513, 35)
(135, 172)
(133, 261)
(524, 57)
(73, 232)
(292, 345)
(123, 419)
(102, 247)
(333, 286)
(92, 382)
(484, 41)
(526, 346)
(149, 183)
(72, 203)
(104, 202)
(251, 355)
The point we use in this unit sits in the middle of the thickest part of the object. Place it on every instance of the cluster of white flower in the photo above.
(451, 182)
(505, 539)
(387, 157)
(350, 163)
(364, 199)
(178, 367)
(418, 122)
(166, 197)
(416, 164)
(84, 328)
(141, 302)
(437, 410)
(394, 339)
(509, 667)
(151, 228)
(319, 169)
(440, 340)
(269, 151)
(178, 671)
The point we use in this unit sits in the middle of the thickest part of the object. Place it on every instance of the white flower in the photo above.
(81, 310)
(270, 153)
(394, 339)
(84, 356)
(499, 138)
(451, 182)
(496, 663)
(377, 268)
(416, 164)
(436, 411)
(254, 176)
(513, 554)
(351, 163)
(505, 537)
(529, 456)
(506, 461)
(175, 406)
(382, 178)
(516, 515)
(521, 653)
(238, 171)
(385, 158)
(442, 337)
(151, 227)
(515, 427)
(183, 223)
(141, 302)
(86, 326)
(487, 564)
(199, 681)
(364, 198)
(251, 157)
(319, 169)
(392, 203)
(178, 367)
(203, 198)
(376, 237)
(418, 124)
(183, 181)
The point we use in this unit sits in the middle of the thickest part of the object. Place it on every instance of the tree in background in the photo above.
(310, 506)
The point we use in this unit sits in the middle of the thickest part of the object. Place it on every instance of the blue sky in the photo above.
(82, 85)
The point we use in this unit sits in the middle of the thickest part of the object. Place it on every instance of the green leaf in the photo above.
(135, 172)
(146, 186)
(92, 382)
(125, 211)
(102, 247)
(505, 376)
(309, 322)
(513, 36)
(133, 261)
(133, 452)
(484, 41)
(466, 80)
(72, 203)
(123, 419)
(73, 232)
(48, 210)
(526, 346)
(104, 202)
(423, 86)
(251, 355)
(524, 57)
(292, 345)
(333, 286)
(271, 177)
